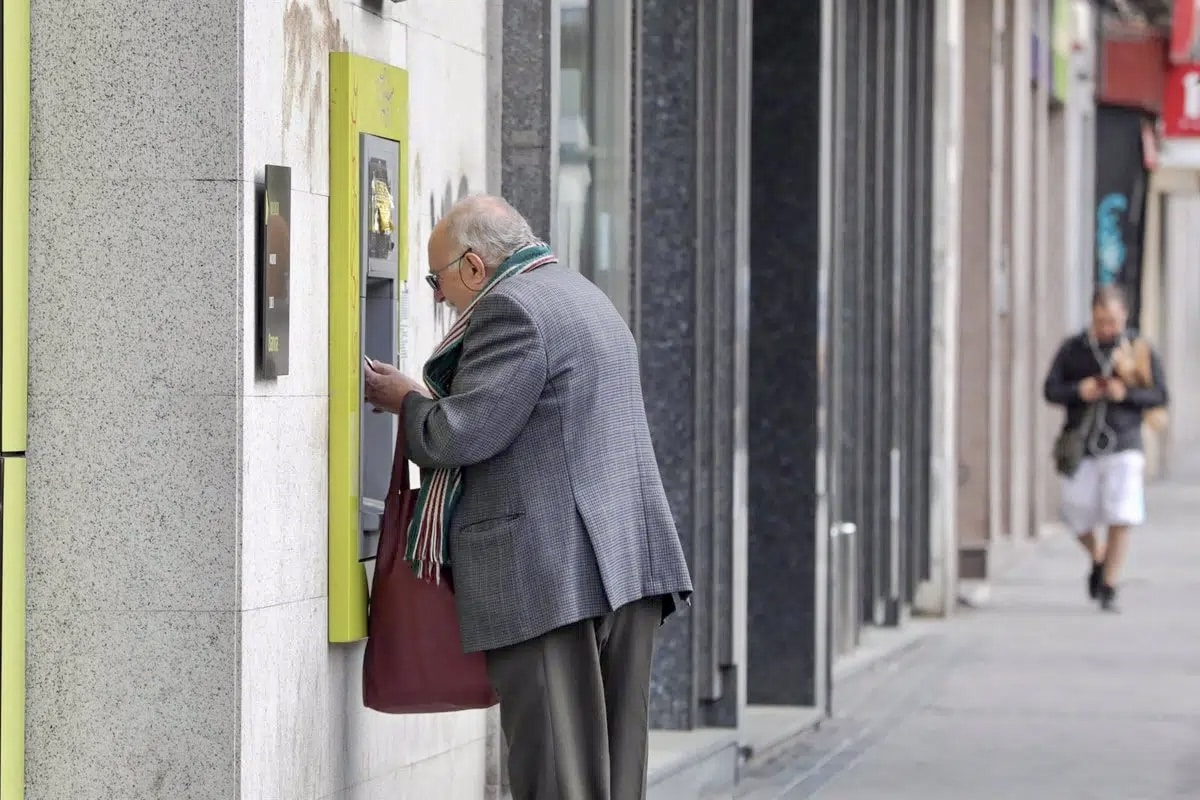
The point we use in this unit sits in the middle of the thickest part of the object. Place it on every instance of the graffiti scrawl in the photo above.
(1110, 237)
(438, 207)
(310, 33)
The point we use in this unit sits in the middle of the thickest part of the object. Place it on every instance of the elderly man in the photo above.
(541, 489)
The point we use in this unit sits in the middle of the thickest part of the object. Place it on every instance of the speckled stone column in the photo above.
(529, 115)
(136, 206)
(665, 303)
(784, 358)
(691, 286)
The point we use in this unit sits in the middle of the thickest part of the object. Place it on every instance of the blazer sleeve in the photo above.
(500, 378)
(1154, 395)
(1057, 389)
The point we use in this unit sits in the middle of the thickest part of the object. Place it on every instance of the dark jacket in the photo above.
(1076, 361)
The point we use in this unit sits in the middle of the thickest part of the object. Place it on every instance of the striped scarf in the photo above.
(428, 548)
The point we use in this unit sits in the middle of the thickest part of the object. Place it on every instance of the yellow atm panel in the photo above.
(12, 630)
(368, 257)
(14, 389)
(14, 370)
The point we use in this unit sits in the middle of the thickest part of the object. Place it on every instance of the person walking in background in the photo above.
(1108, 379)
(538, 468)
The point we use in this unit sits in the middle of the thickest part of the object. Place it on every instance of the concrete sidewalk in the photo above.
(1038, 695)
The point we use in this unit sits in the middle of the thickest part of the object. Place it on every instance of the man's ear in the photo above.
(476, 271)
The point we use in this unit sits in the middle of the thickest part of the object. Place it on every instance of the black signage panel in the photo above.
(1121, 184)
(274, 273)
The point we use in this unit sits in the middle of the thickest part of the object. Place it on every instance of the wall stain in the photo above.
(311, 31)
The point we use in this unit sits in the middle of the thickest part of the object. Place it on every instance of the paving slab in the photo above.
(1037, 694)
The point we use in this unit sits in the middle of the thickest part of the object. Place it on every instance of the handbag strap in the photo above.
(393, 531)
(400, 479)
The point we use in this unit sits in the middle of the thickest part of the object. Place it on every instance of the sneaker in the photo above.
(1108, 598)
(1094, 580)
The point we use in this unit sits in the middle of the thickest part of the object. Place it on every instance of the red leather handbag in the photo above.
(414, 662)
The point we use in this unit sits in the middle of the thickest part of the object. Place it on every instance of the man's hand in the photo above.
(1090, 390)
(1116, 389)
(385, 387)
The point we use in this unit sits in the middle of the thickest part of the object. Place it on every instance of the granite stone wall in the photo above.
(136, 213)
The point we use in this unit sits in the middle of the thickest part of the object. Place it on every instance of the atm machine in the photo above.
(368, 257)
(14, 389)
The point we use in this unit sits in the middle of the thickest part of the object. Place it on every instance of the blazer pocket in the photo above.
(490, 524)
(487, 586)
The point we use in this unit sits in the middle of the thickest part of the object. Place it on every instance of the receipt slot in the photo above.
(368, 256)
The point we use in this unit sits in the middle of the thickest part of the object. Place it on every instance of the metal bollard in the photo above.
(844, 573)
(849, 539)
(843, 539)
(836, 570)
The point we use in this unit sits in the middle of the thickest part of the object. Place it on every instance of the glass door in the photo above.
(594, 130)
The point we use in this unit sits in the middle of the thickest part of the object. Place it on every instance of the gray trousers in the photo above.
(574, 706)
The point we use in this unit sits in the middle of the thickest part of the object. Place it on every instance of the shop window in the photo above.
(592, 218)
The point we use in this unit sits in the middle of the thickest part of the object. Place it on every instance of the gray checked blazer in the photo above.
(563, 515)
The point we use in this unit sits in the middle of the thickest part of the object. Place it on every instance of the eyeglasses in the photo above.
(434, 278)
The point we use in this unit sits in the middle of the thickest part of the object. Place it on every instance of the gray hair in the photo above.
(489, 227)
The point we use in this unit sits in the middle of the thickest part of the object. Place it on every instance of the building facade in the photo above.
(1150, 196)
(776, 178)
(1026, 259)
(845, 235)
(176, 545)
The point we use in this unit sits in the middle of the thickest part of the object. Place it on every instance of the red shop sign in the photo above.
(1181, 101)
(1184, 17)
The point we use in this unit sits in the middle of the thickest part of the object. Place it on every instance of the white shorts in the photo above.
(1106, 490)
